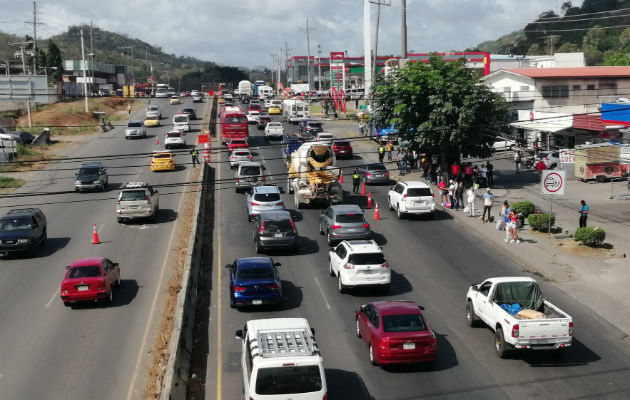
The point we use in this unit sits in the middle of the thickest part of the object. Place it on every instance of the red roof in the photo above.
(582, 72)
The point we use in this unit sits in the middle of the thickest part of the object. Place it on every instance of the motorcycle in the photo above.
(528, 162)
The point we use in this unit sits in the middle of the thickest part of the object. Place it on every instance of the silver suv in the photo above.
(135, 128)
(343, 222)
(137, 200)
(248, 175)
(264, 198)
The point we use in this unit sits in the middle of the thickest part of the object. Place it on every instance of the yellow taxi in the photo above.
(220, 100)
(163, 160)
(174, 100)
(274, 110)
(152, 122)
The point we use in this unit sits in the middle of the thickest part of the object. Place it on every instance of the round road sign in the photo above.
(553, 182)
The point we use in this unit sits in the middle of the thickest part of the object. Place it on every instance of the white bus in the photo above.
(294, 110)
(161, 90)
(245, 88)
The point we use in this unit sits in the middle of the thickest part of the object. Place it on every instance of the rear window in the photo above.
(249, 170)
(255, 273)
(288, 380)
(237, 119)
(241, 153)
(350, 218)
(418, 192)
(181, 118)
(366, 258)
(161, 156)
(375, 167)
(277, 225)
(314, 125)
(88, 271)
(133, 195)
(403, 323)
(338, 143)
(134, 125)
(267, 197)
(275, 124)
(173, 134)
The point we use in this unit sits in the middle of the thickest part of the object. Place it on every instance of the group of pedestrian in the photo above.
(473, 174)
(509, 222)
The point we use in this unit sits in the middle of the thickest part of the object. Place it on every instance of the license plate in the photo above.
(352, 229)
(133, 207)
(418, 203)
(342, 151)
(539, 341)
(9, 241)
(256, 302)
(368, 271)
(82, 288)
(409, 346)
(277, 235)
(249, 179)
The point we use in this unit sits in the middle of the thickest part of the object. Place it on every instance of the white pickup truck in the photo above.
(539, 325)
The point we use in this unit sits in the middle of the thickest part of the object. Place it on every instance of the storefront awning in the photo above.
(550, 124)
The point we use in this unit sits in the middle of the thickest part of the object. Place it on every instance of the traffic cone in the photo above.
(157, 139)
(95, 236)
(341, 176)
(363, 189)
(377, 216)
(369, 205)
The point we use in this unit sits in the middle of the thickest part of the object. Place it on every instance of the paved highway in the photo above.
(433, 262)
(92, 351)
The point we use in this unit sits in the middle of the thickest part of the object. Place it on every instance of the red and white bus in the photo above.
(233, 124)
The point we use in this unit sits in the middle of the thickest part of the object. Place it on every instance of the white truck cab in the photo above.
(280, 360)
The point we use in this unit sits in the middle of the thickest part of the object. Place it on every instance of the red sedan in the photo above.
(342, 148)
(90, 279)
(396, 332)
(237, 144)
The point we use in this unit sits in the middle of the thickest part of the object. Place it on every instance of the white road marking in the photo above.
(321, 290)
(54, 296)
(144, 226)
(153, 305)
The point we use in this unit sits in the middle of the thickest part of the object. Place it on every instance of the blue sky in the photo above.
(247, 32)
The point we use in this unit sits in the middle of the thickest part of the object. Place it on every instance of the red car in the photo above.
(396, 332)
(237, 144)
(342, 148)
(255, 107)
(90, 279)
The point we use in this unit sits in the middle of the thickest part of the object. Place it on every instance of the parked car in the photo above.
(342, 148)
(263, 121)
(396, 332)
(90, 279)
(275, 230)
(248, 175)
(274, 130)
(551, 158)
(254, 281)
(343, 222)
(412, 197)
(163, 161)
(21, 137)
(239, 155)
(91, 176)
(137, 200)
(180, 122)
(374, 173)
(237, 144)
(22, 230)
(253, 116)
(135, 129)
(503, 144)
(359, 263)
(192, 114)
(263, 198)
(174, 138)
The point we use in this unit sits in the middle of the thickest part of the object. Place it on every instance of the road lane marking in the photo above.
(153, 304)
(219, 269)
(321, 290)
(54, 296)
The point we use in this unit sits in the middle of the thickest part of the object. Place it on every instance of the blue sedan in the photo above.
(254, 281)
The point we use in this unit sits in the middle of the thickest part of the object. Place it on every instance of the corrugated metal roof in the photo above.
(581, 72)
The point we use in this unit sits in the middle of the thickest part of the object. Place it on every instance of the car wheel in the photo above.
(398, 213)
(258, 248)
(110, 297)
(358, 331)
(386, 288)
(389, 201)
(600, 179)
(120, 220)
(340, 286)
(329, 239)
(471, 317)
(44, 238)
(321, 228)
(372, 361)
(553, 166)
(330, 268)
(499, 343)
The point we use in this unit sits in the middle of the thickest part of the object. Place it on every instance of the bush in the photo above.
(540, 222)
(592, 237)
(524, 207)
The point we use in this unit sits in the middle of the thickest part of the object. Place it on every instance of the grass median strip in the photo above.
(6, 182)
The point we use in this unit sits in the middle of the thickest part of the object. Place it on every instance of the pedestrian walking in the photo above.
(459, 195)
(128, 108)
(390, 147)
(438, 173)
(583, 214)
(470, 200)
(416, 164)
(443, 188)
(425, 169)
(517, 159)
(356, 180)
(513, 217)
(505, 219)
(381, 153)
(194, 155)
(490, 173)
(451, 193)
(488, 199)
(455, 170)
(402, 162)
(468, 174)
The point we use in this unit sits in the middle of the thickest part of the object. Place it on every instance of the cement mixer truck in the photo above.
(313, 176)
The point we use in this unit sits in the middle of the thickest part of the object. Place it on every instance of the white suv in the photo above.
(280, 360)
(180, 122)
(359, 263)
(135, 128)
(413, 197)
(137, 200)
(174, 138)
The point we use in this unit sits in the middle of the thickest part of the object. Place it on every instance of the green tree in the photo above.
(624, 40)
(535, 50)
(440, 108)
(54, 62)
(616, 58)
(568, 47)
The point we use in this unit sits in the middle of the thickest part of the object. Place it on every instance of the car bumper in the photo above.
(85, 296)
(163, 167)
(175, 144)
(16, 248)
(343, 153)
(425, 354)
(374, 179)
(134, 135)
(248, 185)
(351, 235)
(182, 128)
(362, 279)
(255, 210)
(88, 186)
(428, 209)
(131, 214)
(241, 301)
(543, 344)
(278, 243)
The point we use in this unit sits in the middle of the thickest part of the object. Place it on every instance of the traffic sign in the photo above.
(553, 182)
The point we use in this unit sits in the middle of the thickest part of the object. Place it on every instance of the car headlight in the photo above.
(22, 241)
(77, 182)
(98, 181)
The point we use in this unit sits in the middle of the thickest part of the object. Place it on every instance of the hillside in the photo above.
(599, 28)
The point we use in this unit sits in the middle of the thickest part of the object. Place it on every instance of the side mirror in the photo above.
(239, 334)
(281, 189)
(362, 308)
(475, 287)
(313, 331)
(277, 264)
(228, 265)
(421, 308)
(322, 212)
(67, 266)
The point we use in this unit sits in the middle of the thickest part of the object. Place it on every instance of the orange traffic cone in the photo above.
(340, 176)
(377, 216)
(369, 205)
(157, 139)
(363, 189)
(95, 236)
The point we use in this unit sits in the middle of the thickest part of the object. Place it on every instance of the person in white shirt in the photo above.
(470, 200)
(488, 199)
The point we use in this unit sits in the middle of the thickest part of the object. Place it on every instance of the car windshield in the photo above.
(254, 113)
(162, 155)
(314, 125)
(238, 143)
(88, 171)
(418, 192)
(250, 170)
(133, 195)
(338, 143)
(237, 119)
(255, 273)
(403, 323)
(288, 380)
(15, 224)
(181, 118)
(350, 218)
(366, 258)
(188, 111)
(375, 167)
(241, 153)
(173, 134)
(275, 125)
(153, 109)
(134, 125)
(267, 197)
(87, 271)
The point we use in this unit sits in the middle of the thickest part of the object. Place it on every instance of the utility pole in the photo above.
(319, 67)
(92, 57)
(84, 74)
(308, 60)
(403, 29)
(286, 51)
(25, 72)
(379, 3)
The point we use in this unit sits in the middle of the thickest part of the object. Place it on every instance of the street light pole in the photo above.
(85, 95)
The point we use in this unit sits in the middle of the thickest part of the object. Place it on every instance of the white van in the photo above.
(180, 122)
(280, 360)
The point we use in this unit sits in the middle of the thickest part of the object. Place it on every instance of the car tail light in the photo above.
(101, 286)
(262, 178)
(368, 174)
(348, 266)
(515, 331)
(292, 224)
(385, 265)
(335, 226)
(251, 203)
(148, 200)
(250, 157)
(273, 287)
(383, 344)
(239, 288)
(404, 196)
(387, 173)
(262, 228)
(570, 328)
(280, 203)
(365, 226)
(236, 180)
(323, 398)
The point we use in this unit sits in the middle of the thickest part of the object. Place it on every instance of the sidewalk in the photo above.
(599, 278)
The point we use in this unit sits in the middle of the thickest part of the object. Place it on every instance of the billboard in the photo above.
(18, 88)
